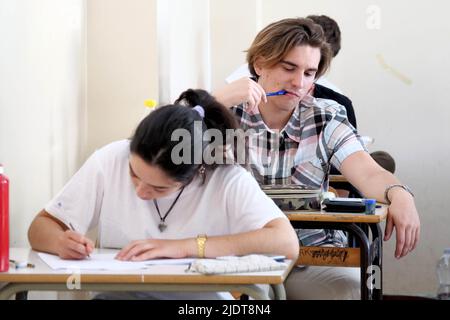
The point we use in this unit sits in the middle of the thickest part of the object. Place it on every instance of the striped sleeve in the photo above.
(341, 137)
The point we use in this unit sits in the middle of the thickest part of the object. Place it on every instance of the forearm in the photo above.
(280, 239)
(376, 184)
(225, 99)
(44, 233)
(376, 188)
(371, 179)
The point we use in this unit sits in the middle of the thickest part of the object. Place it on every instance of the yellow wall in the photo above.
(122, 64)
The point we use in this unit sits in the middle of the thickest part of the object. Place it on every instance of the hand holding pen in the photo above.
(74, 245)
(245, 90)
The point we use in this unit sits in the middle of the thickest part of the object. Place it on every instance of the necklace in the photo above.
(162, 224)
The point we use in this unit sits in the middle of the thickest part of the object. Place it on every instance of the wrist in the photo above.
(397, 191)
(222, 99)
(189, 247)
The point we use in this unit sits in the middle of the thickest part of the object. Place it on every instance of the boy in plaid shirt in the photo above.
(299, 137)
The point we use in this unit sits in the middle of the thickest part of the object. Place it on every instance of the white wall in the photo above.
(42, 103)
(401, 101)
(232, 32)
(183, 47)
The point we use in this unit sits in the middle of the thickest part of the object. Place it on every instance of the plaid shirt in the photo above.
(317, 135)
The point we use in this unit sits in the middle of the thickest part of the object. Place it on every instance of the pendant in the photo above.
(162, 226)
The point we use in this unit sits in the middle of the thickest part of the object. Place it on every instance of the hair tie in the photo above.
(199, 110)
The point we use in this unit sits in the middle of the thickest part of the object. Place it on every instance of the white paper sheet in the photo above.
(105, 261)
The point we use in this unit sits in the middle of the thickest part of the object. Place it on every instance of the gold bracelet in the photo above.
(201, 242)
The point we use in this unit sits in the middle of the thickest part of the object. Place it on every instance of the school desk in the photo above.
(154, 278)
(367, 255)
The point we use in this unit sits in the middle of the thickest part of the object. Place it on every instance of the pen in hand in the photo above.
(85, 245)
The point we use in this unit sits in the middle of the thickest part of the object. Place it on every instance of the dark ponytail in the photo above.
(216, 115)
(152, 140)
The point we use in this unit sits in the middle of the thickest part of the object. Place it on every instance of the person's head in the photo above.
(331, 30)
(152, 167)
(289, 55)
(384, 159)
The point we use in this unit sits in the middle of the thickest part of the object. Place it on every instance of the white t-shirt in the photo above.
(102, 194)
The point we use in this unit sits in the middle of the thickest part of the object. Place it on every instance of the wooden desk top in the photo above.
(167, 274)
(337, 178)
(380, 215)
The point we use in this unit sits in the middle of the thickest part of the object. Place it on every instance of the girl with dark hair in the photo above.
(145, 205)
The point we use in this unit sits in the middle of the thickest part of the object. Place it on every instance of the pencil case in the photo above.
(233, 264)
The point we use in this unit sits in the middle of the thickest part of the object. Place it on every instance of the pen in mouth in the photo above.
(276, 93)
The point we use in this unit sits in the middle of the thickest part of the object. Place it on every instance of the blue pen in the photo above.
(276, 93)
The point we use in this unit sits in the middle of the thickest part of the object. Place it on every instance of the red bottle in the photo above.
(4, 221)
